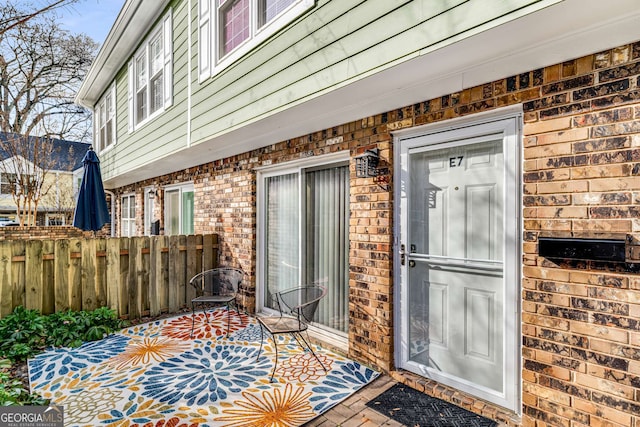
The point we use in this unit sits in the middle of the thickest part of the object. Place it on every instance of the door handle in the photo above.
(401, 254)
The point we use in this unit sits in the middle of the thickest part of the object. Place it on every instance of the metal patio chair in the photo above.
(216, 287)
(296, 308)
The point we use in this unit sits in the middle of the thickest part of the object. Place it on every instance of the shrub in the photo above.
(12, 392)
(24, 332)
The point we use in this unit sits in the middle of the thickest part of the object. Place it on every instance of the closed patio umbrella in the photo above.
(91, 208)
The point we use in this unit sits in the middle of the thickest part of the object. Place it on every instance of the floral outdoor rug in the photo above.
(156, 375)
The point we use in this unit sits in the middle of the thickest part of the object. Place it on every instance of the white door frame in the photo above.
(507, 121)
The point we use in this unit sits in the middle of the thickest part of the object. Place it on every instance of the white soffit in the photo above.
(566, 30)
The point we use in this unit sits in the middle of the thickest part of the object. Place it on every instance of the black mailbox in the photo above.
(611, 250)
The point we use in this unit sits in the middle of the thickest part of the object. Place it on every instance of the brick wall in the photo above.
(581, 173)
(37, 232)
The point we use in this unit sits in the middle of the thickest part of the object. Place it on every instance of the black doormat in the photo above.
(412, 408)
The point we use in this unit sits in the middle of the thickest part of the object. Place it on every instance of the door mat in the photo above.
(412, 408)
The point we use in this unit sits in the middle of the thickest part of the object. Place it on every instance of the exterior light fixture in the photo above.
(152, 194)
(367, 164)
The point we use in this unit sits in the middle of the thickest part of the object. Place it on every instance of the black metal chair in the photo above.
(296, 309)
(216, 287)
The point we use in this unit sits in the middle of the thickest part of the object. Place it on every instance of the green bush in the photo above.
(25, 333)
(12, 392)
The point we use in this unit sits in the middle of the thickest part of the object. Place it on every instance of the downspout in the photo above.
(113, 211)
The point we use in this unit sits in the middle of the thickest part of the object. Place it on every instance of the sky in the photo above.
(91, 17)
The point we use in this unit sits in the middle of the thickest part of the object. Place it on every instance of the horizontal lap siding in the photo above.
(164, 134)
(337, 43)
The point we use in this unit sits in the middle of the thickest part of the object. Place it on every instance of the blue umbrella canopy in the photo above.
(91, 209)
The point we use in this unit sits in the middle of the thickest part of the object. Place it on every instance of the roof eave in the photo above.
(133, 22)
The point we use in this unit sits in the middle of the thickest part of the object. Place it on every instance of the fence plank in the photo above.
(88, 268)
(143, 275)
(155, 276)
(48, 277)
(124, 276)
(33, 275)
(6, 297)
(192, 266)
(132, 280)
(75, 275)
(113, 275)
(208, 260)
(61, 273)
(181, 272)
(164, 278)
(174, 254)
(101, 272)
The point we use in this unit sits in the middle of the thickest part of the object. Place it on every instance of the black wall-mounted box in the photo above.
(611, 250)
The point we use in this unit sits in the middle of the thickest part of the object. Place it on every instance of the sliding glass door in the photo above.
(305, 226)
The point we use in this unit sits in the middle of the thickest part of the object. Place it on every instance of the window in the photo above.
(230, 28)
(304, 237)
(178, 210)
(128, 215)
(150, 75)
(8, 182)
(55, 220)
(105, 120)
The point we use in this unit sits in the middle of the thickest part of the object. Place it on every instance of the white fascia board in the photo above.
(132, 24)
(563, 31)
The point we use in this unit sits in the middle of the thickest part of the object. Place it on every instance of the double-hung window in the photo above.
(105, 120)
(303, 229)
(150, 75)
(230, 28)
(128, 214)
(178, 210)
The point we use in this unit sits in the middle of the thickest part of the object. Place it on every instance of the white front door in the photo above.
(457, 254)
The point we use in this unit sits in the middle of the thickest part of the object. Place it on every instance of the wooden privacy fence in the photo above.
(135, 276)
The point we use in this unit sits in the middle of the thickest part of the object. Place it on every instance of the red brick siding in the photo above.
(581, 169)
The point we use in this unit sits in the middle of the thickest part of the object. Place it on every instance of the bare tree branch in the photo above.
(41, 69)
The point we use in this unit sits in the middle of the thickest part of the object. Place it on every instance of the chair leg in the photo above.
(261, 339)
(310, 349)
(228, 319)
(275, 365)
(193, 318)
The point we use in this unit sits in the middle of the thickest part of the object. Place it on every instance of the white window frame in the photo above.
(335, 338)
(129, 220)
(210, 58)
(164, 31)
(104, 116)
(181, 188)
(50, 216)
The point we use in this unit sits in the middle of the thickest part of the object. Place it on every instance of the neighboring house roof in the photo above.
(67, 155)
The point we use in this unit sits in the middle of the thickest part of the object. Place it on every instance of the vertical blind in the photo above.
(327, 242)
(282, 235)
(323, 216)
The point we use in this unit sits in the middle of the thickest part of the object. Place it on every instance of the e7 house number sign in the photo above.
(454, 162)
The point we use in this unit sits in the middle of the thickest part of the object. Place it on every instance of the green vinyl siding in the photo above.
(335, 43)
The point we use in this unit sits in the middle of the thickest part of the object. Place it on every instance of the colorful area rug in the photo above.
(155, 375)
